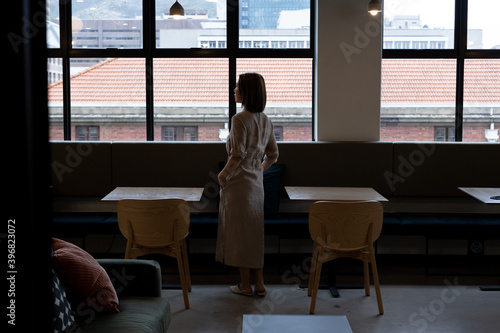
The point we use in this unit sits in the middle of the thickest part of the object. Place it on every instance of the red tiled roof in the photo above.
(288, 81)
(434, 81)
(421, 81)
(482, 80)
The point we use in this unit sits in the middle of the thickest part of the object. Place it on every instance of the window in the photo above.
(483, 25)
(55, 98)
(192, 91)
(203, 20)
(179, 133)
(415, 94)
(410, 20)
(102, 26)
(290, 108)
(137, 73)
(442, 134)
(87, 133)
(278, 19)
(116, 96)
(481, 114)
(53, 33)
(278, 133)
(445, 85)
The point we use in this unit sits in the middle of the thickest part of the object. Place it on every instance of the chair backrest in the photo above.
(153, 223)
(344, 225)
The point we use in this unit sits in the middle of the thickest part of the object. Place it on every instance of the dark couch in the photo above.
(141, 306)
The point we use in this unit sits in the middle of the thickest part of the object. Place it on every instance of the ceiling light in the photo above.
(374, 7)
(176, 9)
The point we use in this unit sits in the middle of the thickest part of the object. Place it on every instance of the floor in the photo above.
(418, 296)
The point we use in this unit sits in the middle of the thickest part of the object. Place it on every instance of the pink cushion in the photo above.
(86, 281)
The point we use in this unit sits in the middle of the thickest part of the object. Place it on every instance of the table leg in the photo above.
(331, 282)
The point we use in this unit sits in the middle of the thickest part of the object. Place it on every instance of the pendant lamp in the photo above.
(176, 9)
(374, 7)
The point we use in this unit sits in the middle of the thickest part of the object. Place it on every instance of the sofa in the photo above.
(106, 295)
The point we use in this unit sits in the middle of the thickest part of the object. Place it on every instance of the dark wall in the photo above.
(26, 229)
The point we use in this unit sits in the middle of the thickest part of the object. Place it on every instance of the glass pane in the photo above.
(202, 26)
(109, 98)
(55, 98)
(53, 34)
(418, 100)
(191, 99)
(419, 24)
(289, 94)
(106, 25)
(274, 24)
(483, 24)
(481, 100)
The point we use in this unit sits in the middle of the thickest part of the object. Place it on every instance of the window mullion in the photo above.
(149, 44)
(461, 47)
(65, 13)
(232, 11)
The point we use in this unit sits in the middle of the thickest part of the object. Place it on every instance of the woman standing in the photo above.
(251, 149)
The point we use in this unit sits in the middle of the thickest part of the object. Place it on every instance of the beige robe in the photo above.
(240, 236)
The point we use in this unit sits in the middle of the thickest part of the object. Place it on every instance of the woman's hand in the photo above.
(231, 165)
(266, 165)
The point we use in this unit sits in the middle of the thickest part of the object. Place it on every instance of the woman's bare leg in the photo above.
(259, 280)
(245, 280)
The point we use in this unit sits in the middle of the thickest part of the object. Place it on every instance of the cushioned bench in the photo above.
(450, 225)
(81, 224)
(420, 180)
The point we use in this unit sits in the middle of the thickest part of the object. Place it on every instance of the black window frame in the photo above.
(458, 53)
(232, 52)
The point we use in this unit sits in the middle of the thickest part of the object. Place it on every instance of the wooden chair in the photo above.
(344, 229)
(157, 226)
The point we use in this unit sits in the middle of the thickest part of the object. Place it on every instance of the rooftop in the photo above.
(182, 80)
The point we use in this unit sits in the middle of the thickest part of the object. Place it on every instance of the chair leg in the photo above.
(127, 249)
(376, 282)
(314, 261)
(317, 276)
(366, 273)
(180, 264)
(186, 265)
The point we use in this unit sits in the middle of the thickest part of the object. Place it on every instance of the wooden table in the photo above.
(191, 194)
(484, 194)
(319, 193)
(488, 195)
(263, 323)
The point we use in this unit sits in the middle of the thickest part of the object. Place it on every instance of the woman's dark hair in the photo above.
(252, 88)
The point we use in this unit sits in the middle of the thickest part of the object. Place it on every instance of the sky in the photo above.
(483, 14)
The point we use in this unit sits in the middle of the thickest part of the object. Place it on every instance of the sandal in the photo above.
(260, 292)
(236, 290)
